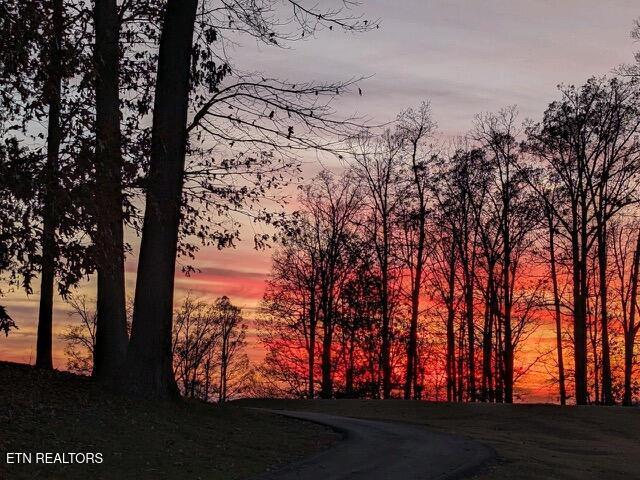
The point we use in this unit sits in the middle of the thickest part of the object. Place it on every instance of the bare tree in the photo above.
(376, 161)
(626, 260)
(195, 345)
(233, 361)
(552, 226)
(587, 141)
(331, 204)
(80, 338)
(417, 127)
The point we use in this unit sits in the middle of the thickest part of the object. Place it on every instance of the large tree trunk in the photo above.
(558, 313)
(632, 329)
(148, 369)
(111, 326)
(53, 94)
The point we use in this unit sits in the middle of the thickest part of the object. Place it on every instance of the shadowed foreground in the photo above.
(532, 442)
(58, 412)
(385, 451)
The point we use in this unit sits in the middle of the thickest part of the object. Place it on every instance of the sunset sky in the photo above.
(465, 57)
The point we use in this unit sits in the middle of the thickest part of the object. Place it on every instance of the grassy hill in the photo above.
(59, 412)
(533, 442)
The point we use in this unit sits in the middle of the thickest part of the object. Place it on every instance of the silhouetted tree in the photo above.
(587, 140)
(233, 361)
(148, 369)
(552, 226)
(196, 336)
(626, 259)
(376, 162)
(111, 331)
(417, 128)
(80, 337)
(42, 55)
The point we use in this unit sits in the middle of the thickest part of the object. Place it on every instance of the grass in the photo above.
(532, 441)
(57, 412)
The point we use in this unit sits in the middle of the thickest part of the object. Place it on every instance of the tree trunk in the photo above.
(312, 344)
(499, 365)
(558, 313)
(451, 355)
(451, 337)
(349, 378)
(385, 351)
(460, 373)
(412, 348)
(508, 340)
(632, 329)
(471, 339)
(224, 360)
(53, 94)
(579, 254)
(487, 338)
(148, 367)
(607, 391)
(111, 324)
(327, 340)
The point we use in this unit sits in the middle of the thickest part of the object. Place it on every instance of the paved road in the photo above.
(374, 450)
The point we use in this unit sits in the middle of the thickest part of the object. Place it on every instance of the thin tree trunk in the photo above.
(579, 254)
(412, 348)
(451, 337)
(499, 366)
(487, 339)
(508, 341)
(469, 315)
(451, 356)
(148, 369)
(53, 94)
(224, 360)
(327, 341)
(111, 325)
(350, 365)
(607, 391)
(385, 352)
(558, 313)
(632, 329)
(207, 379)
(461, 362)
(312, 344)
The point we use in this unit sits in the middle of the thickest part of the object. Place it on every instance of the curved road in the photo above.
(374, 450)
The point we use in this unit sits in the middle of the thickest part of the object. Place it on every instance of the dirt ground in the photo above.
(532, 441)
(57, 412)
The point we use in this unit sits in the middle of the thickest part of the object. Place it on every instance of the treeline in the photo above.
(426, 270)
(129, 116)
